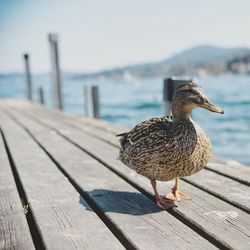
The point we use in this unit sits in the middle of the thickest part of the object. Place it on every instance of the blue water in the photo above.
(127, 104)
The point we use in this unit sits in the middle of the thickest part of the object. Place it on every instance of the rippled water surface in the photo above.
(127, 104)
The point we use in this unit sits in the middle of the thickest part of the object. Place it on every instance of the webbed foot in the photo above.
(177, 195)
(165, 203)
(161, 202)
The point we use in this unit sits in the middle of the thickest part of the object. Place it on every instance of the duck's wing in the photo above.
(143, 129)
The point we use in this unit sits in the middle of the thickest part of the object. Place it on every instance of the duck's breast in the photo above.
(201, 154)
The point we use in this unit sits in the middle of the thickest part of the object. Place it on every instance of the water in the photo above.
(127, 104)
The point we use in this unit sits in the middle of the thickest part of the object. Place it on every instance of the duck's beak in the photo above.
(210, 106)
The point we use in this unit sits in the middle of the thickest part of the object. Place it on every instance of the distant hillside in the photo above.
(199, 60)
(205, 54)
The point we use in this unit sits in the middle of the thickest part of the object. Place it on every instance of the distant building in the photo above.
(240, 65)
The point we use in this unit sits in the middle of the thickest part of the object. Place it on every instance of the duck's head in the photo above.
(189, 96)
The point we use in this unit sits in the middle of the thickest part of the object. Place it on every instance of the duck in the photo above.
(170, 147)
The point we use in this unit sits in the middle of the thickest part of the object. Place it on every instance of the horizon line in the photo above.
(123, 66)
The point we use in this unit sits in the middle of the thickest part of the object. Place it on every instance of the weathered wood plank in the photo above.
(223, 222)
(56, 206)
(134, 214)
(223, 189)
(14, 230)
(231, 169)
(99, 130)
(97, 123)
(106, 132)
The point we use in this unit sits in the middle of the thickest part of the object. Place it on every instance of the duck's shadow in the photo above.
(120, 202)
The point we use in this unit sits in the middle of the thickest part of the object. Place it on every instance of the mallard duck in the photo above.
(170, 147)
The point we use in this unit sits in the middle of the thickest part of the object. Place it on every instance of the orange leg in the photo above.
(161, 202)
(176, 194)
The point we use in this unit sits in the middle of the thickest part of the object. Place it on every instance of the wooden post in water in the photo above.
(169, 86)
(95, 100)
(168, 89)
(92, 106)
(87, 100)
(40, 95)
(53, 39)
(28, 76)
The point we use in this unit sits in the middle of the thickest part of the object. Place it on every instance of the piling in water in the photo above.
(28, 76)
(53, 39)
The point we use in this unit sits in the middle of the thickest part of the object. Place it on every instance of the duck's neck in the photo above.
(181, 111)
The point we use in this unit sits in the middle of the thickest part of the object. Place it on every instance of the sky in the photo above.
(101, 34)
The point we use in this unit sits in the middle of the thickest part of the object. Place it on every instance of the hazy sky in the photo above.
(100, 34)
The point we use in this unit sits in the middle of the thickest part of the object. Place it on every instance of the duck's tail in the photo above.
(122, 134)
(123, 139)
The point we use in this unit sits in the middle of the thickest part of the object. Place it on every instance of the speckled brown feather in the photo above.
(162, 148)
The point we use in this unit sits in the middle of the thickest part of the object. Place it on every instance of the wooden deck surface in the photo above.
(62, 187)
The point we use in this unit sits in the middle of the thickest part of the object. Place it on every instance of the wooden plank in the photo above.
(106, 131)
(221, 221)
(75, 123)
(228, 168)
(14, 229)
(231, 169)
(223, 188)
(97, 123)
(146, 226)
(56, 206)
(98, 128)
(237, 173)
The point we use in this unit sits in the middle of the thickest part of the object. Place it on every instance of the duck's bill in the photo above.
(210, 106)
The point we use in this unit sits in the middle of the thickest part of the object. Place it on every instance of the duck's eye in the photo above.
(190, 91)
(205, 100)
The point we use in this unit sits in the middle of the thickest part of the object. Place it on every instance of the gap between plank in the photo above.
(124, 177)
(116, 231)
(98, 127)
(217, 196)
(229, 176)
(114, 145)
(95, 207)
(34, 231)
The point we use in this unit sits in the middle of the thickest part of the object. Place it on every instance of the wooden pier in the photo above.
(62, 187)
